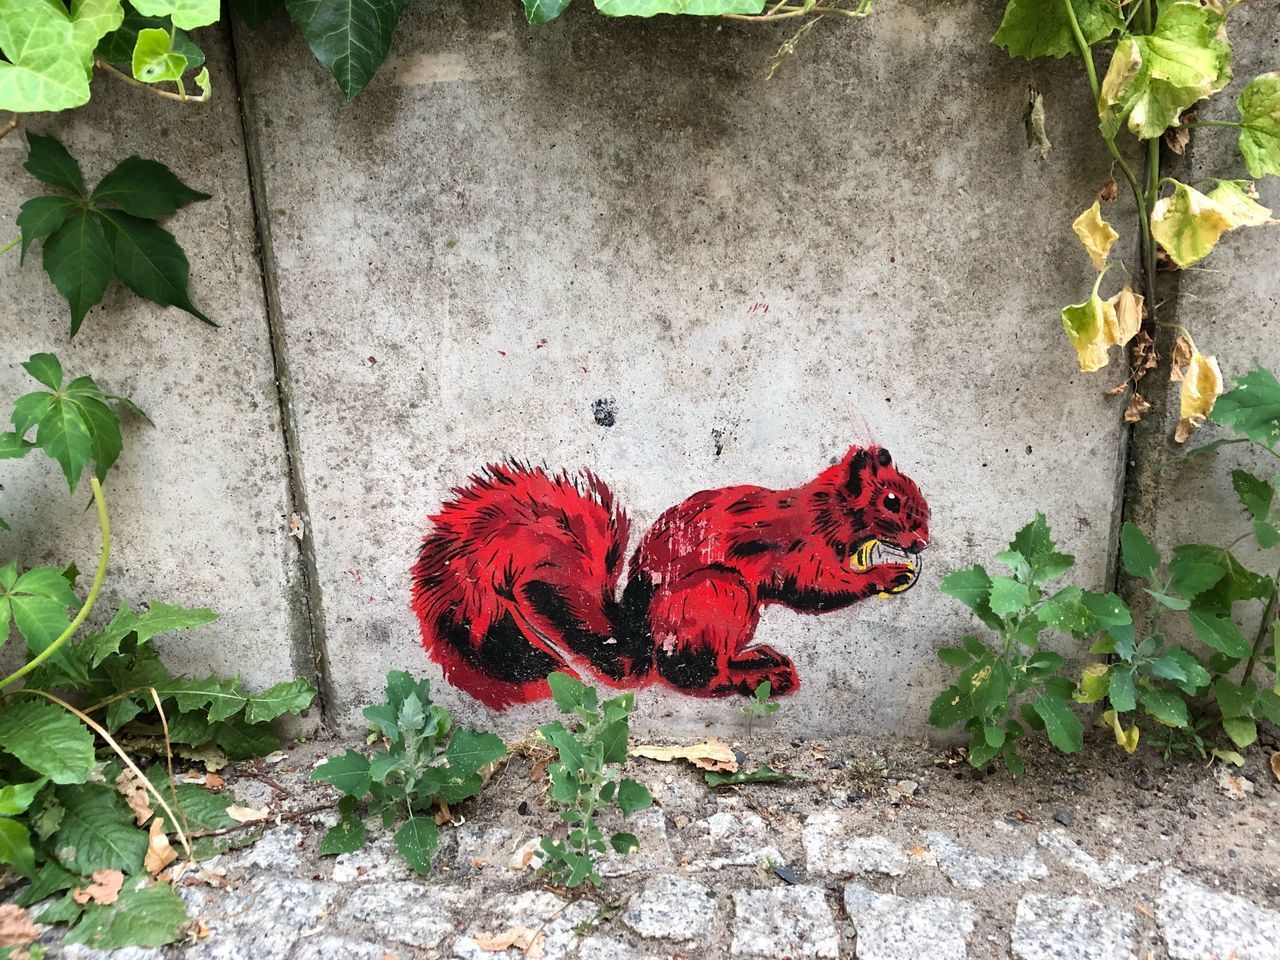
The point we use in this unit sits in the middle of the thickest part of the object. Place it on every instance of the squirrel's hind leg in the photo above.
(702, 627)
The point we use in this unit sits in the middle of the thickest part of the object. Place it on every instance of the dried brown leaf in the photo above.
(531, 941)
(135, 795)
(214, 782)
(1275, 765)
(1182, 351)
(539, 768)
(1176, 139)
(1109, 190)
(711, 754)
(1136, 408)
(247, 814)
(160, 852)
(1145, 356)
(442, 815)
(16, 926)
(1118, 389)
(104, 890)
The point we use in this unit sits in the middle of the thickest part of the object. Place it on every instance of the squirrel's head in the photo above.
(874, 514)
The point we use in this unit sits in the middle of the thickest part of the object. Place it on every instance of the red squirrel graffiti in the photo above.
(521, 575)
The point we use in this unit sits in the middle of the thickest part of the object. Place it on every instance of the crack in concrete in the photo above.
(310, 649)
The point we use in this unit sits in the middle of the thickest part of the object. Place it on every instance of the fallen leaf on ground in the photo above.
(524, 938)
(442, 815)
(160, 852)
(539, 768)
(247, 814)
(135, 795)
(521, 859)
(1275, 765)
(275, 756)
(214, 782)
(16, 927)
(210, 755)
(711, 754)
(104, 890)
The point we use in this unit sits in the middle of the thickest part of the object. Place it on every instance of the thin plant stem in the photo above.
(10, 245)
(142, 778)
(125, 78)
(1268, 619)
(98, 577)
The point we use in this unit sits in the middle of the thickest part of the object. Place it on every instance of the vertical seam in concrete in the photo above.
(1142, 442)
(310, 657)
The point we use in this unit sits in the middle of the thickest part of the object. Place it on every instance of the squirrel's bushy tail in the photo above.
(519, 578)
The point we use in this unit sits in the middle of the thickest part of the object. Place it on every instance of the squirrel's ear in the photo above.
(859, 465)
(884, 457)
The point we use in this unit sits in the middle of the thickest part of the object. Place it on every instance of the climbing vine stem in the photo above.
(98, 577)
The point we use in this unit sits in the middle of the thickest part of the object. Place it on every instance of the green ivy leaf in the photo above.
(118, 47)
(149, 261)
(349, 773)
(48, 739)
(1259, 105)
(154, 58)
(1252, 407)
(698, 8)
(1233, 699)
(145, 188)
(543, 11)
(416, 841)
(43, 68)
(187, 14)
(351, 38)
(97, 831)
(1040, 28)
(146, 914)
(1060, 724)
(1152, 79)
(78, 261)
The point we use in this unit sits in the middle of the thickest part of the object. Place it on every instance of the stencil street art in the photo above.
(521, 575)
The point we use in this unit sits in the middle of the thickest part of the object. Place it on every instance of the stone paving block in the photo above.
(199, 503)
(735, 838)
(516, 225)
(339, 948)
(1198, 923)
(598, 947)
(972, 871)
(829, 848)
(895, 928)
(1071, 928)
(553, 917)
(264, 919)
(379, 859)
(783, 922)
(1111, 873)
(413, 914)
(650, 828)
(672, 908)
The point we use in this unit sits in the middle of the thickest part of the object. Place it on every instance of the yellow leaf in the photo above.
(1201, 387)
(1096, 234)
(1127, 315)
(1093, 684)
(1128, 739)
(1089, 325)
(1237, 199)
(1189, 224)
(247, 814)
(135, 795)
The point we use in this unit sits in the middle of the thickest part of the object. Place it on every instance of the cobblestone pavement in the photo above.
(896, 856)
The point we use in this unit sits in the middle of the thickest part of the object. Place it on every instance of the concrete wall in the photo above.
(512, 226)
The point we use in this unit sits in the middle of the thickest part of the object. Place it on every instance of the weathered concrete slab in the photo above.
(515, 230)
(199, 504)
